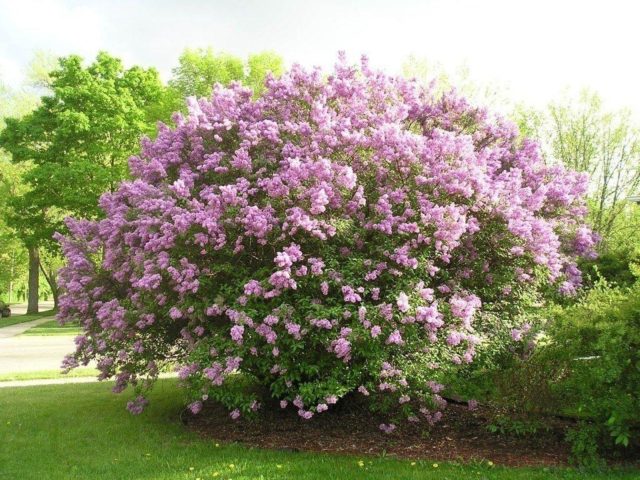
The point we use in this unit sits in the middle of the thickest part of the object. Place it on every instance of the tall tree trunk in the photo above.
(56, 296)
(34, 279)
(50, 277)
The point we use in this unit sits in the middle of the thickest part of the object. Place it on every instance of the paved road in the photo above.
(19, 328)
(62, 381)
(33, 353)
(21, 353)
(46, 381)
(21, 308)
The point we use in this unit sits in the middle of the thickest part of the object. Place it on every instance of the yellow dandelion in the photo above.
(413, 464)
(191, 469)
(231, 465)
(435, 465)
(490, 463)
(278, 466)
(360, 463)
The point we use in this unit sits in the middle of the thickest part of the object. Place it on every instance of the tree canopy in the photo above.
(200, 69)
(582, 134)
(78, 139)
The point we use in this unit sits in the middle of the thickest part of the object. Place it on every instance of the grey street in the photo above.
(21, 308)
(20, 353)
(31, 353)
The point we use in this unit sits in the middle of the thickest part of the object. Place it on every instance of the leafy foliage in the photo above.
(199, 70)
(584, 136)
(13, 257)
(340, 234)
(585, 365)
(77, 140)
(598, 341)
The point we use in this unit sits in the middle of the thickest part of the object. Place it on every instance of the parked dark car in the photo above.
(5, 311)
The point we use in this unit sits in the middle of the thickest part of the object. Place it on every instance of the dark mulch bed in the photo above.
(349, 428)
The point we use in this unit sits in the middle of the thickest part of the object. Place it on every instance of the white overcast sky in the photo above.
(535, 48)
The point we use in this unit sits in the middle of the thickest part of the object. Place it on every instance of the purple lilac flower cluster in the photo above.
(315, 236)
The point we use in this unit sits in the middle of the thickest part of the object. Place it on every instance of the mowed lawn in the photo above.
(83, 431)
(49, 374)
(52, 327)
(15, 319)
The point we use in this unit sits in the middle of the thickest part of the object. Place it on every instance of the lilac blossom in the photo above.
(395, 338)
(403, 302)
(137, 405)
(387, 428)
(236, 333)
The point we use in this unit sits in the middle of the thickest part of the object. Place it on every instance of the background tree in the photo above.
(40, 68)
(13, 260)
(428, 72)
(258, 66)
(76, 144)
(13, 256)
(604, 144)
(200, 69)
(584, 136)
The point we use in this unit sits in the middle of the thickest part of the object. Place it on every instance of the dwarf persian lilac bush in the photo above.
(350, 233)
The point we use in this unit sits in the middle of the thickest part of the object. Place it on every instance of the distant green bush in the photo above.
(598, 343)
(586, 365)
(615, 265)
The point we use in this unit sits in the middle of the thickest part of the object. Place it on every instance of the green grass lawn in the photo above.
(15, 319)
(54, 328)
(82, 431)
(47, 374)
